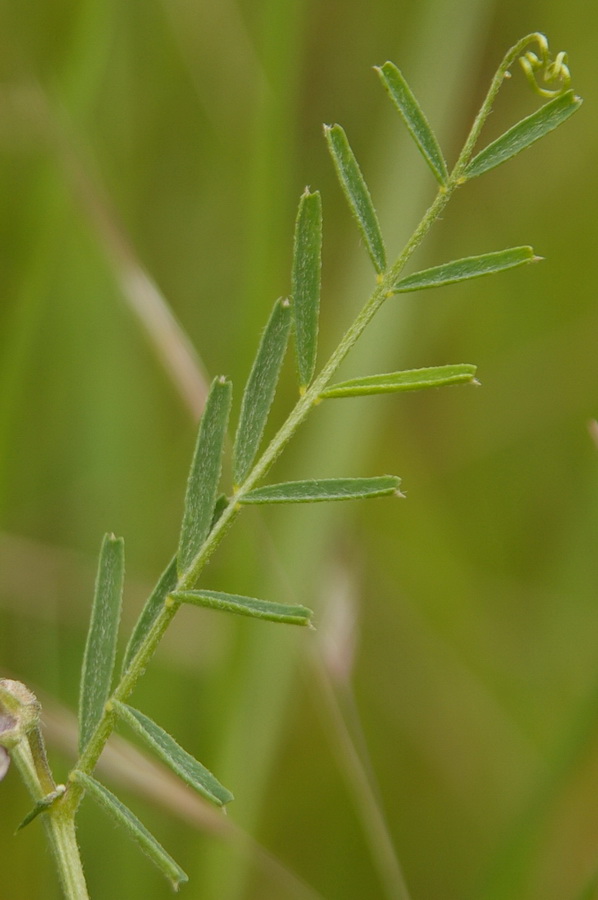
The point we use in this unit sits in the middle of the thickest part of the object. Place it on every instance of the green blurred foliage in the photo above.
(183, 133)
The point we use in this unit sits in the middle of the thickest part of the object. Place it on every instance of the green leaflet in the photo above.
(42, 806)
(468, 267)
(124, 817)
(247, 606)
(407, 380)
(153, 605)
(357, 194)
(182, 763)
(324, 489)
(202, 486)
(100, 649)
(305, 283)
(260, 389)
(414, 118)
(523, 134)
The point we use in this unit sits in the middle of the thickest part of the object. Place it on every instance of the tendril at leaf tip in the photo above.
(551, 70)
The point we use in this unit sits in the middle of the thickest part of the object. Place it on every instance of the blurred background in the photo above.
(443, 719)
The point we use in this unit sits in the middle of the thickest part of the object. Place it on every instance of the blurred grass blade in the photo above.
(202, 486)
(131, 824)
(523, 134)
(182, 763)
(324, 489)
(100, 649)
(414, 118)
(247, 606)
(468, 267)
(408, 380)
(357, 193)
(260, 389)
(305, 283)
(153, 605)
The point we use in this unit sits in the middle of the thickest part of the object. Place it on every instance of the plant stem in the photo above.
(58, 821)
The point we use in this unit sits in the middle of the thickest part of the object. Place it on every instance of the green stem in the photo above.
(63, 840)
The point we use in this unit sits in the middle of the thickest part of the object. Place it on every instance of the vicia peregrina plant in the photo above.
(208, 514)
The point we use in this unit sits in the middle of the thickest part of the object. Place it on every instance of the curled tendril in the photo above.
(553, 70)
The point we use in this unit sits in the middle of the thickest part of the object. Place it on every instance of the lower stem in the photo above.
(63, 840)
(59, 824)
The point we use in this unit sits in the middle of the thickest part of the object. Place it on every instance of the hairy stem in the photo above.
(59, 823)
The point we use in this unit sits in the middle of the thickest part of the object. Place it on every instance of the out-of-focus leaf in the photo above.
(414, 118)
(324, 489)
(523, 134)
(247, 606)
(357, 193)
(407, 380)
(4, 762)
(100, 649)
(163, 745)
(305, 283)
(468, 267)
(134, 828)
(260, 389)
(153, 605)
(202, 486)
